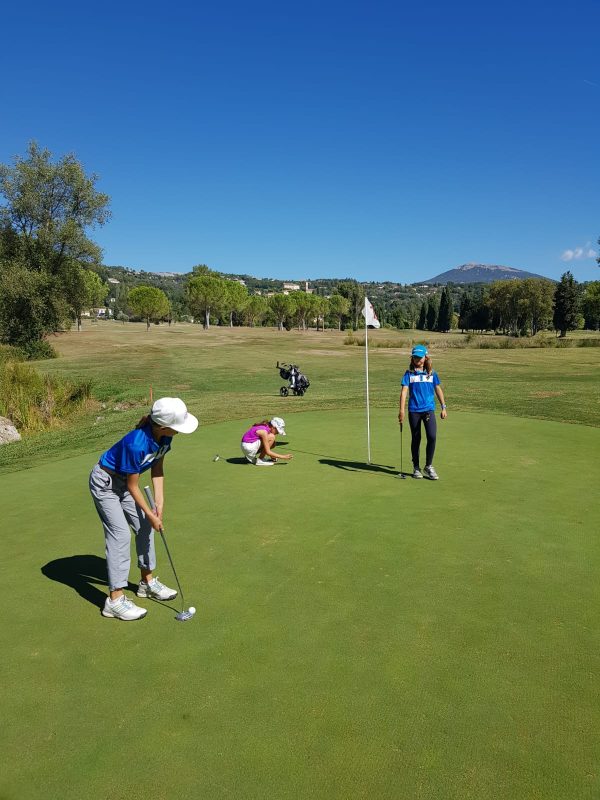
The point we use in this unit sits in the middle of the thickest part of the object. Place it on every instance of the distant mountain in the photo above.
(481, 273)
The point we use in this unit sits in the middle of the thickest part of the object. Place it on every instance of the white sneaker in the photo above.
(122, 608)
(156, 590)
(430, 473)
(260, 462)
(417, 473)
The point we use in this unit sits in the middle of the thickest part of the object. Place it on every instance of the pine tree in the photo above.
(566, 305)
(432, 314)
(444, 320)
(422, 321)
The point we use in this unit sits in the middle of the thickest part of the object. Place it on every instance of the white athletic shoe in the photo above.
(261, 462)
(122, 608)
(430, 473)
(417, 473)
(156, 590)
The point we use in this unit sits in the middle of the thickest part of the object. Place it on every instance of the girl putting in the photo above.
(114, 484)
(259, 440)
(422, 385)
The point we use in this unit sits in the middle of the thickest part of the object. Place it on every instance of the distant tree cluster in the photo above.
(51, 276)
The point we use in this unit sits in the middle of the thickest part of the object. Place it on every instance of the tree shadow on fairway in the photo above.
(81, 573)
(359, 466)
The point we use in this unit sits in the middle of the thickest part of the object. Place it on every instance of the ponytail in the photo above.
(262, 422)
(143, 422)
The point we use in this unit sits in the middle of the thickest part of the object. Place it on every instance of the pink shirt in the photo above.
(251, 436)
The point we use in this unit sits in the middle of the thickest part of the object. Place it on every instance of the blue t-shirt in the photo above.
(421, 389)
(136, 452)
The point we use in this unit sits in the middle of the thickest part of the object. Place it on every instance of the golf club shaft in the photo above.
(401, 450)
(150, 499)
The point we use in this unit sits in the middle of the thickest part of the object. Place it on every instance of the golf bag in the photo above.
(297, 382)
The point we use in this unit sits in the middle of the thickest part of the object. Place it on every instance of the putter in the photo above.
(184, 614)
(401, 475)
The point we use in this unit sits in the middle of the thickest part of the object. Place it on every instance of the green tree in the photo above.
(464, 316)
(50, 206)
(84, 289)
(283, 308)
(31, 305)
(590, 306)
(48, 209)
(205, 293)
(305, 307)
(566, 305)
(355, 294)
(339, 307)
(320, 309)
(432, 313)
(235, 298)
(444, 320)
(149, 303)
(422, 321)
(255, 309)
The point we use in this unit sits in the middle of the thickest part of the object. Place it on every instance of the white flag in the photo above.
(370, 315)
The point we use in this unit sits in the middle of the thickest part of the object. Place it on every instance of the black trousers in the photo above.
(415, 418)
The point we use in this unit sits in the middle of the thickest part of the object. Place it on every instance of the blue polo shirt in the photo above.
(421, 389)
(136, 452)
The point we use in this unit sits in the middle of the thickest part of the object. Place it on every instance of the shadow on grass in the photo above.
(240, 460)
(82, 573)
(359, 466)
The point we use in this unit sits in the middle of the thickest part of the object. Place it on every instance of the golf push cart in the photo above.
(297, 382)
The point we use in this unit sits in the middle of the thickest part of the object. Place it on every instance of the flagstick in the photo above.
(367, 377)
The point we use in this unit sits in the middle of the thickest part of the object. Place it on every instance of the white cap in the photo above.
(171, 412)
(278, 424)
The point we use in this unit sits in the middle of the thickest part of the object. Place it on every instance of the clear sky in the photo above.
(379, 140)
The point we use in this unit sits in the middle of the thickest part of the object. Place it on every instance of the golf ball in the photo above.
(216, 458)
(192, 610)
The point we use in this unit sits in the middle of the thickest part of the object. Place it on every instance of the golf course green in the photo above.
(356, 635)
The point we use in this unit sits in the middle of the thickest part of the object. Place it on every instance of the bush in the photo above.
(38, 350)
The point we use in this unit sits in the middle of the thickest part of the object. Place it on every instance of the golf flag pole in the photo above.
(370, 319)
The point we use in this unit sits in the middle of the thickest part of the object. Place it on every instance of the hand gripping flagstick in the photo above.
(184, 614)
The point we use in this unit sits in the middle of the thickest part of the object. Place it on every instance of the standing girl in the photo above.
(114, 485)
(422, 385)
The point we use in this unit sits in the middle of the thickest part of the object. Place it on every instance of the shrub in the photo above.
(39, 350)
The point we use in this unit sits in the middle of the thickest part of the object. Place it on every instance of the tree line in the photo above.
(51, 274)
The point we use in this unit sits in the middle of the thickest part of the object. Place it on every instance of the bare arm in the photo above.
(157, 472)
(133, 487)
(402, 402)
(264, 437)
(440, 397)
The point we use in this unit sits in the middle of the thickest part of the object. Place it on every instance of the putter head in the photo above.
(401, 475)
(183, 616)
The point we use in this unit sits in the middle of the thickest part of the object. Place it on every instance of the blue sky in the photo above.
(381, 140)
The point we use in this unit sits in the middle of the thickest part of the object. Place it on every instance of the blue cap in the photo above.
(419, 350)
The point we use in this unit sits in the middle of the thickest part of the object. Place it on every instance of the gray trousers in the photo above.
(119, 514)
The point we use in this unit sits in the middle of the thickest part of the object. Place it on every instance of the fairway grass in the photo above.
(357, 636)
(225, 374)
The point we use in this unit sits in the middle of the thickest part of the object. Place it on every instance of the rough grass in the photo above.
(228, 373)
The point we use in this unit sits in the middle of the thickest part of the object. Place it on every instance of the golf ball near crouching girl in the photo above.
(122, 507)
(259, 440)
(422, 386)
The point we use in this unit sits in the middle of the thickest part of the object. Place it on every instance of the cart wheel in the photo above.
(284, 391)
(300, 392)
